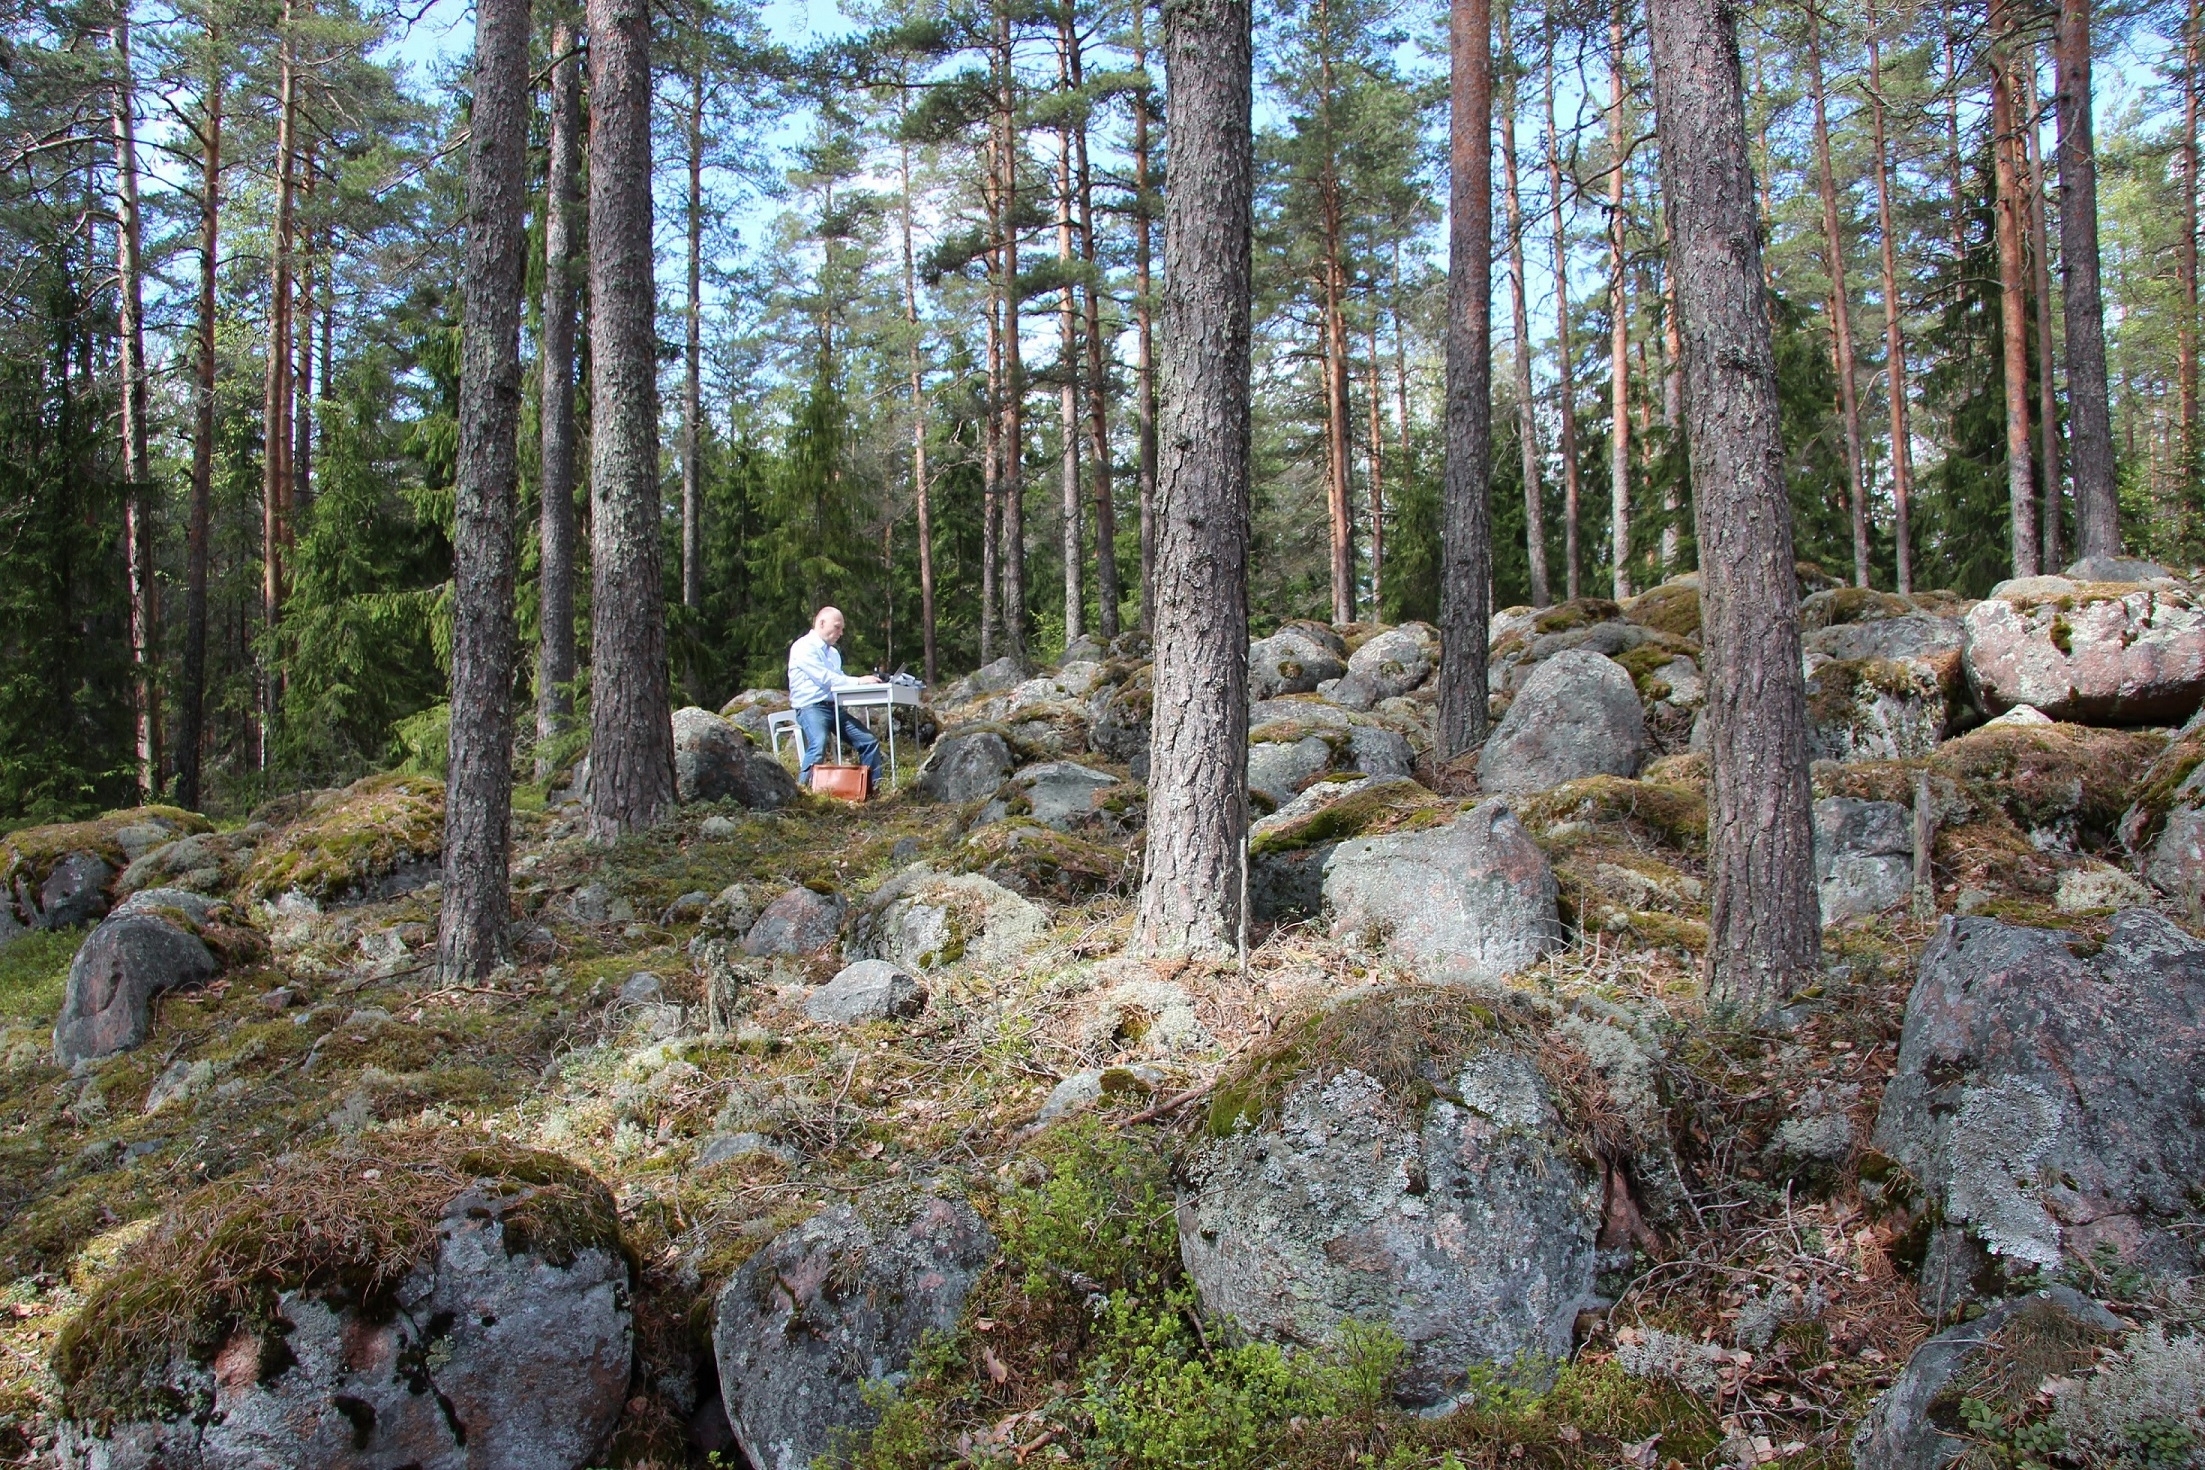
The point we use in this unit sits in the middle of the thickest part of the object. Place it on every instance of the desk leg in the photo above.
(891, 747)
(838, 729)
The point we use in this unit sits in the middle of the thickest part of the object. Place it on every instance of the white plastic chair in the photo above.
(783, 722)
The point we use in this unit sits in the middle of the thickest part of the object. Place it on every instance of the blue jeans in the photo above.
(815, 724)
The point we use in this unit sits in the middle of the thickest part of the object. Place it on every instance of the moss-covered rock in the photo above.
(1672, 814)
(356, 844)
(1672, 608)
(1287, 850)
(1839, 605)
(1027, 857)
(1873, 709)
(2067, 786)
(29, 855)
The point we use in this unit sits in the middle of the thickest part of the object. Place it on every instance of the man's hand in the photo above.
(869, 678)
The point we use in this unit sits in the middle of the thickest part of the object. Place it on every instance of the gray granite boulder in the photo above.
(1389, 664)
(1059, 794)
(2048, 1105)
(1294, 660)
(870, 990)
(206, 861)
(75, 892)
(1915, 1424)
(1474, 900)
(141, 951)
(2115, 569)
(1377, 752)
(715, 761)
(1577, 715)
(2093, 652)
(801, 921)
(965, 765)
(1467, 1225)
(831, 1310)
(490, 1357)
(1873, 709)
(1119, 727)
(1279, 770)
(1864, 856)
(924, 920)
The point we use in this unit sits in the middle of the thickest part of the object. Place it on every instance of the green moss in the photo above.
(1046, 861)
(34, 969)
(1381, 807)
(2045, 775)
(376, 826)
(1676, 815)
(347, 1222)
(1672, 608)
(29, 854)
(2155, 797)
(1840, 605)
(1837, 690)
(1669, 931)
(1644, 664)
(1581, 612)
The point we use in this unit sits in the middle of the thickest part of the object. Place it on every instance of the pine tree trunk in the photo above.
(1672, 408)
(1527, 414)
(478, 786)
(1565, 388)
(1466, 533)
(692, 367)
(1619, 328)
(275, 481)
(1144, 367)
(555, 532)
(917, 369)
(1841, 304)
(2185, 324)
(1377, 483)
(2040, 294)
(1108, 592)
(631, 732)
(1013, 475)
(302, 377)
(1894, 333)
(991, 464)
(1339, 438)
(192, 700)
(2089, 414)
(137, 471)
(1068, 392)
(2013, 295)
(1192, 885)
(1764, 935)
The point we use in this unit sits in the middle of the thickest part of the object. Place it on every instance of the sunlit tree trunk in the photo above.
(1068, 389)
(2089, 412)
(991, 457)
(1108, 592)
(1339, 437)
(138, 531)
(631, 781)
(1466, 534)
(1527, 413)
(1192, 886)
(1841, 303)
(1565, 388)
(478, 786)
(1377, 460)
(275, 481)
(1894, 331)
(1013, 473)
(692, 364)
(916, 368)
(1144, 366)
(1763, 928)
(2040, 263)
(1619, 323)
(555, 350)
(192, 703)
(2013, 289)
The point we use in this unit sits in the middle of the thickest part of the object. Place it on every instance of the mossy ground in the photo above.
(29, 853)
(337, 850)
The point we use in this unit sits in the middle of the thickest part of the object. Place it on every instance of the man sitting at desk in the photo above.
(815, 673)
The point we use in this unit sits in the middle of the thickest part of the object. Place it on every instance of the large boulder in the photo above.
(924, 920)
(2049, 1106)
(870, 990)
(1873, 709)
(1294, 660)
(2100, 652)
(965, 765)
(1281, 766)
(1030, 859)
(1376, 751)
(148, 946)
(715, 761)
(1864, 856)
(1452, 1209)
(1388, 664)
(206, 862)
(377, 838)
(1926, 639)
(506, 1347)
(75, 892)
(1472, 901)
(1916, 1424)
(1059, 794)
(1577, 715)
(813, 1329)
(802, 921)
(1287, 850)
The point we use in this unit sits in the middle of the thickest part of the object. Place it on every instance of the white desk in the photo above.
(889, 697)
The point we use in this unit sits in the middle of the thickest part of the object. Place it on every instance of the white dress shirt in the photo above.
(815, 671)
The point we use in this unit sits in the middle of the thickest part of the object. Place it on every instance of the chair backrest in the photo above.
(778, 723)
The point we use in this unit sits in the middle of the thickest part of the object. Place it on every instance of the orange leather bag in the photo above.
(851, 783)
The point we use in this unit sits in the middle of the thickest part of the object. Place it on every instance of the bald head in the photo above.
(827, 623)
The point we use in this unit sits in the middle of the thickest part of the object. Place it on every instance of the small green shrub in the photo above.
(1101, 1220)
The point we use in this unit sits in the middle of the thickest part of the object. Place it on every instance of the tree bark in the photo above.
(991, 461)
(1619, 327)
(1894, 331)
(555, 533)
(192, 702)
(916, 366)
(1466, 533)
(1764, 935)
(1339, 437)
(275, 481)
(1672, 408)
(478, 786)
(302, 377)
(692, 363)
(631, 731)
(1108, 591)
(2040, 294)
(1377, 457)
(137, 471)
(1144, 367)
(1527, 415)
(2089, 413)
(1192, 886)
(1068, 391)
(1013, 476)
(1565, 388)
(1841, 303)
(2012, 294)
(2185, 325)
